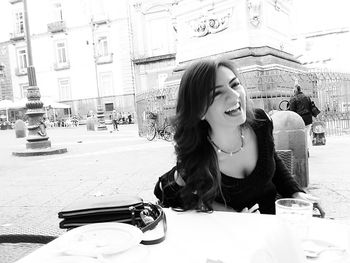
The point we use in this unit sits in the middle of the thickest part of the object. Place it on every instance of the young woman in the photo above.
(225, 150)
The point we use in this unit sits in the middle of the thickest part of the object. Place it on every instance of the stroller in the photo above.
(318, 133)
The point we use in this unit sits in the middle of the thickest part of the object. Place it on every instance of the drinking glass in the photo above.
(296, 213)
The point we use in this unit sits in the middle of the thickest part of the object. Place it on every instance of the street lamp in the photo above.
(100, 113)
(38, 142)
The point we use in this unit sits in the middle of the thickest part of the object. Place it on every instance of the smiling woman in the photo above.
(225, 151)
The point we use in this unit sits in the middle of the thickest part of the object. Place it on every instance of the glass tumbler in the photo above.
(296, 213)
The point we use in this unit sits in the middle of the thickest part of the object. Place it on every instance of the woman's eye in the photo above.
(235, 85)
(217, 93)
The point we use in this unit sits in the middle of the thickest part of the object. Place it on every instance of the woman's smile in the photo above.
(234, 110)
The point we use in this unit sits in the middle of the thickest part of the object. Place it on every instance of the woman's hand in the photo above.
(306, 197)
(221, 207)
(253, 209)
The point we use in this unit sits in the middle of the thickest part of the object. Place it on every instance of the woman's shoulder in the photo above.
(260, 114)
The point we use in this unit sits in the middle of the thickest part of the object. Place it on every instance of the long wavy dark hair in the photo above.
(196, 158)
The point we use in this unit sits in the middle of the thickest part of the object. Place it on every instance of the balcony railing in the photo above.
(21, 71)
(14, 1)
(104, 59)
(55, 27)
(16, 36)
(61, 66)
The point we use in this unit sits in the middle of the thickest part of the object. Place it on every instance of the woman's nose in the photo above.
(233, 93)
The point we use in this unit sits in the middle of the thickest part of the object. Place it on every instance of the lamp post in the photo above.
(99, 112)
(38, 142)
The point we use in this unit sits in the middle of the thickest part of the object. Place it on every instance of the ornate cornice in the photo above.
(210, 23)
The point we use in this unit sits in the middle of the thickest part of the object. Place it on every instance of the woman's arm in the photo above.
(168, 187)
(283, 180)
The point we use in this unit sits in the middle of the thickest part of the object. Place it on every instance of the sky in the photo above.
(316, 15)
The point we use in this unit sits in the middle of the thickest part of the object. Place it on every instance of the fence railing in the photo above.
(336, 123)
(329, 90)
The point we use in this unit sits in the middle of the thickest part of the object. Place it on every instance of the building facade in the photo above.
(6, 92)
(81, 52)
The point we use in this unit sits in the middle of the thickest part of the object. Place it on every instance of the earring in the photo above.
(203, 118)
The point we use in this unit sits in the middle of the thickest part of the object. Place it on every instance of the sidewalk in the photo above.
(34, 189)
(329, 168)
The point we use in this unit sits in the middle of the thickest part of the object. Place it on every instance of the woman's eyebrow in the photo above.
(232, 80)
(229, 83)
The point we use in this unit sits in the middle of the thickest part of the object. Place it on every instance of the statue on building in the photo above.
(254, 9)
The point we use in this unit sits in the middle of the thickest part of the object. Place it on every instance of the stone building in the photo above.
(6, 92)
(81, 52)
(255, 34)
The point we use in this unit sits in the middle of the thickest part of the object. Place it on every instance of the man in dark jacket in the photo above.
(301, 104)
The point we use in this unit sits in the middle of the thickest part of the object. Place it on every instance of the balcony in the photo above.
(104, 59)
(14, 1)
(99, 19)
(56, 27)
(17, 36)
(61, 66)
(20, 71)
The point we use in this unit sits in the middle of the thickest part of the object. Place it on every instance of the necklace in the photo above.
(219, 150)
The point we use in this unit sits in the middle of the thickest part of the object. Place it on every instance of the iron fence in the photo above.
(267, 88)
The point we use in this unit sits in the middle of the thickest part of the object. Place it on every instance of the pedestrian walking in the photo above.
(301, 104)
(115, 120)
(129, 118)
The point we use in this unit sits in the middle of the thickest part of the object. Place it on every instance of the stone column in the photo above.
(37, 137)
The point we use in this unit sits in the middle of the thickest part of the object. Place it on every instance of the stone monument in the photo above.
(255, 34)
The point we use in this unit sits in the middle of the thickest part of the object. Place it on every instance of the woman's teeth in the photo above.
(233, 109)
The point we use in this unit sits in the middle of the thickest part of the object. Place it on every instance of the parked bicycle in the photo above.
(165, 131)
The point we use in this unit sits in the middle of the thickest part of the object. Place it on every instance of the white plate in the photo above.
(100, 238)
(73, 259)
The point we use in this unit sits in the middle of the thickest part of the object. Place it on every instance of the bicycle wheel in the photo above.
(151, 133)
(168, 133)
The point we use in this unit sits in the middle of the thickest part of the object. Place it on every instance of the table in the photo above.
(219, 237)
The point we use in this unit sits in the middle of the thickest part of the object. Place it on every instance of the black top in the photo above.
(301, 104)
(269, 177)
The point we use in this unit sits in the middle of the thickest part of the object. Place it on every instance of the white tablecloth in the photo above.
(219, 237)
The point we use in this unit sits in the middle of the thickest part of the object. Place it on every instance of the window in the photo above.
(161, 80)
(158, 29)
(143, 80)
(67, 111)
(61, 52)
(22, 59)
(64, 89)
(24, 90)
(97, 8)
(19, 22)
(106, 84)
(109, 107)
(102, 44)
(57, 10)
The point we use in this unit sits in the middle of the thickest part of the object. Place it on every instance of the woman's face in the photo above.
(229, 104)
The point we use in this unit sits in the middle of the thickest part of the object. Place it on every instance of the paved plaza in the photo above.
(34, 189)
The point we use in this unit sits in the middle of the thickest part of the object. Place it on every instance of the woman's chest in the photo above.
(242, 164)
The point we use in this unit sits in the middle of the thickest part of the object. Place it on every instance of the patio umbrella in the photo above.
(58, 105)
(50, 102)
(19, 104)
(5, 105)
